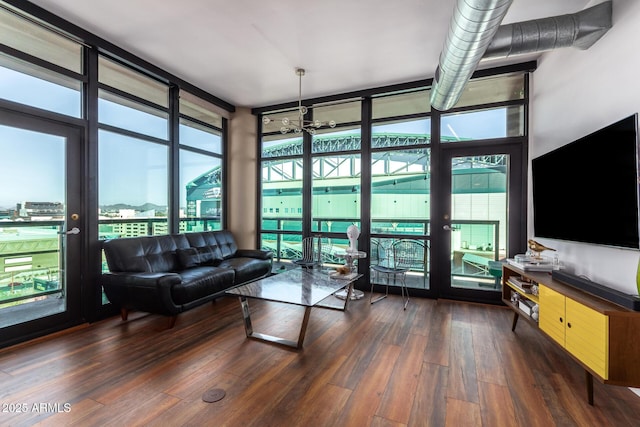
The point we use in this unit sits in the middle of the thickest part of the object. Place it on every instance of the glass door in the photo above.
(481, 219)
(40, 226)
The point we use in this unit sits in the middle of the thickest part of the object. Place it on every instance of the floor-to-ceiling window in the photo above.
(401, 182)
(311, 180)
(96, 143)
(336, 162)
(386, 167)
(133, 141)
(40, 74)
(201, 171)
(281, 172)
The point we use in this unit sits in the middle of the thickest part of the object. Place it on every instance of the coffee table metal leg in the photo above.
(345, 295)
(270, 338)
(303, 327)
(246, 315)
(349, 295)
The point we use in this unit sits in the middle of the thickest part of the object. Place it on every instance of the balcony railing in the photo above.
(31, 260)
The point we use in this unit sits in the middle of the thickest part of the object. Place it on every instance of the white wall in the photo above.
(575, 92)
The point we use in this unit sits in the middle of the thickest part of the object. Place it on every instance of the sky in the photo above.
(31, 167)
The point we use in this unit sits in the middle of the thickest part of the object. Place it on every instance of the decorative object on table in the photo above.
(352, 273)
(348, 270)
(350, 255)
(343, 269)
(300, 124)
(353, 233)
(538, 248)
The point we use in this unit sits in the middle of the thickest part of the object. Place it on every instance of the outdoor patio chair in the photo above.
(395, 262)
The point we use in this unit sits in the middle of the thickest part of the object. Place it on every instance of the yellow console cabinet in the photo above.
(598, 334)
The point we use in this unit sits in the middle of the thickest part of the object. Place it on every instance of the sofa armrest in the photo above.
(254, 253)
(144, 291)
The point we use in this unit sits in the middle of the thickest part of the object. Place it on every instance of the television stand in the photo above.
(598, 334)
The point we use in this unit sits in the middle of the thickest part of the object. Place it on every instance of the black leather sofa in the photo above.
(170, 274)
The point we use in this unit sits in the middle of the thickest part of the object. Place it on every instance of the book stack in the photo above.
(521, 283)
(527, 263)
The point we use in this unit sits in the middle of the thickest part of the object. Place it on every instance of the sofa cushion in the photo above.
(247, 269)
(226, 243)
(144, 254)
(201, 282)
(221, 242)
(207, 246)
(162, 257)
(209, 255)
(188, 257)
(192, 257)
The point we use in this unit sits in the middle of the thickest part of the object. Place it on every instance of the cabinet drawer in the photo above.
(587, 336)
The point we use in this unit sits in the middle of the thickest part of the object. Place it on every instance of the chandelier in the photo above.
(300, 124)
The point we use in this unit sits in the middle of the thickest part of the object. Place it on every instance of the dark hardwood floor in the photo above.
(439, 363)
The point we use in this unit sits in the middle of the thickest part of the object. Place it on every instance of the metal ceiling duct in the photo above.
(475, 34)
(473, 25)
(580, 30)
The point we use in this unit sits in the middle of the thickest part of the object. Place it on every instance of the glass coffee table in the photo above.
(303, 287)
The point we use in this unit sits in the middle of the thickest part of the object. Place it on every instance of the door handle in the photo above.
(74, 230)
(447, 228)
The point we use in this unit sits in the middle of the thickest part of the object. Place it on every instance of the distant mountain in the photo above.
(145, 207)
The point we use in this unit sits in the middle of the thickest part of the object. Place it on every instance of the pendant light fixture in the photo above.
(300, 124)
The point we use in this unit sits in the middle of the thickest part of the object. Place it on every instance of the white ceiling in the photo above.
(245, 51)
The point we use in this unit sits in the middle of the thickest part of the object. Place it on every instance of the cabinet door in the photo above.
(552, 314)
(587, 336)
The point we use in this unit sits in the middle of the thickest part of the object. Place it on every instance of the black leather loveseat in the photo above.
(170, 274)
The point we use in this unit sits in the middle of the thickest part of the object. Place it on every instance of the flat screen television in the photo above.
(587, 191)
